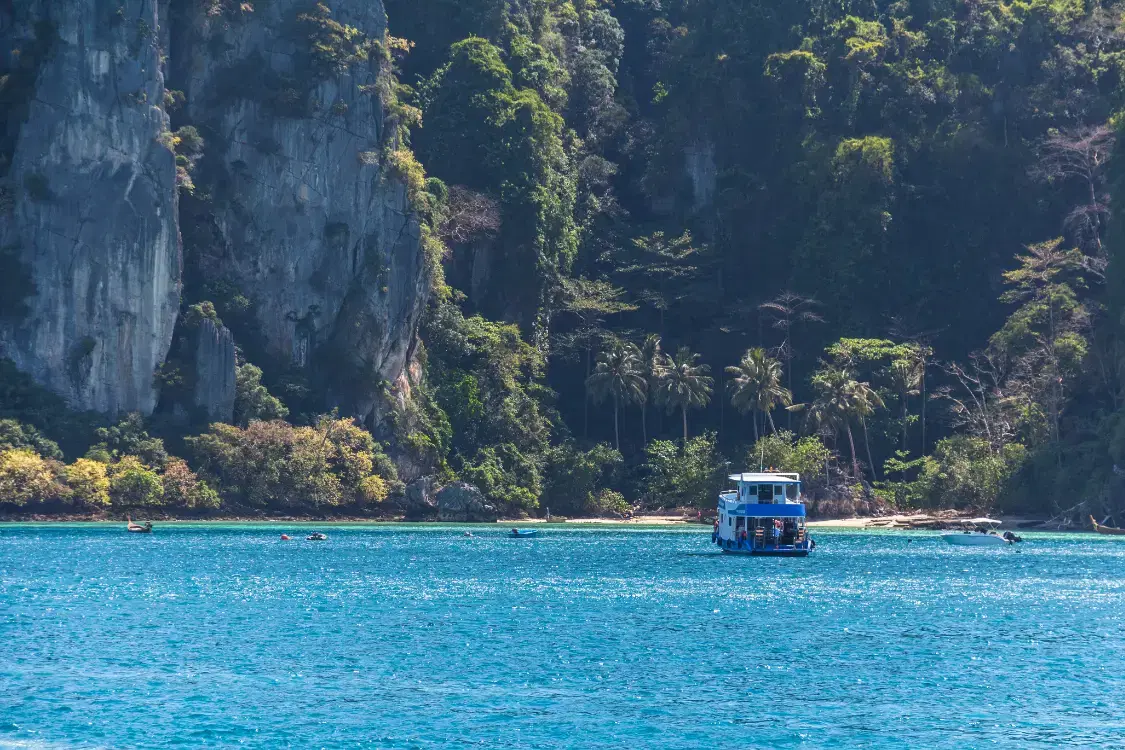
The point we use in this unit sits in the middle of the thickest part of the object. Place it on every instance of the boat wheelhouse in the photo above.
(763, 515)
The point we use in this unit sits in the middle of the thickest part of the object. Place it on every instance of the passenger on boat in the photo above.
(742, 540)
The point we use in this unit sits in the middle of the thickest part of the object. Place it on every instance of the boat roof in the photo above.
(766, 477)
(980, 520)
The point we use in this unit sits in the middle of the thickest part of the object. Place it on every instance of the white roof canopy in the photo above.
(766, 478)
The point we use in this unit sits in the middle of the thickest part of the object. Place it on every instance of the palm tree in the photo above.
(841, 398)
(618, 375)
(756, 386)
(684, 385)
(864, 403)
(906, 376)
(653, 362)
(591, 302)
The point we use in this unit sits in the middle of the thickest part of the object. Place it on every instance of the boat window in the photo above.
(791, 491)
(751, 489)
(765, 493)
(779, 490)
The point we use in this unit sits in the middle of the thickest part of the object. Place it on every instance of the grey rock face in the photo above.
(92, 202)
(462, 501)
(215, 371)
(303, 217)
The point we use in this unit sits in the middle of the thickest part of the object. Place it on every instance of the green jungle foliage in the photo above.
(871, 242)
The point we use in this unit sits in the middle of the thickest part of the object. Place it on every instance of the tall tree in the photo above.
(591, 301)
(840, 398)
(653, 363)
(1044, 337)
(664, 270)
(785, 311)
(1080, 156)
(685, 385)
(755, 386)
(906, 377)
(619, 375)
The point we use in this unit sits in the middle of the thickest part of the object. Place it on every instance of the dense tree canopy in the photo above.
(874, 242)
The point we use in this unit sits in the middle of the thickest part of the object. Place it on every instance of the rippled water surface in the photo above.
(399, 636)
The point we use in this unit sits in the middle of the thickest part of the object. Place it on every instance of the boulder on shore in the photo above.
(461, 501)
(420, 498)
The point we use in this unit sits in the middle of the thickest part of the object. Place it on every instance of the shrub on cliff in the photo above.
(14, 434)
(129, 438)
(251, 399)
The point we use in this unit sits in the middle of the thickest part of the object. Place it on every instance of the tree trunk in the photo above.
(769, 416)
(683, 411)
(855, 461)
(586, 401)
(867, 445)
(616, 432)
(754, 416)
(905, 416)
(923, 404)
(644, 422)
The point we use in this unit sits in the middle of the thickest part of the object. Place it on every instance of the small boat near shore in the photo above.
(136, 528)
(764, 517)
(1110, 530)
(980, 532)
(316, 536)
(522, 533)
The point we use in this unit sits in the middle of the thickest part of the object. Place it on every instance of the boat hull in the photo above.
(523, 535)
(1108, 530)
(975, 540)
(768, 552)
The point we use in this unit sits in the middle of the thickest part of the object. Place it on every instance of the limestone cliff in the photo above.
(293, 205)
(293, 208)
(89, 198)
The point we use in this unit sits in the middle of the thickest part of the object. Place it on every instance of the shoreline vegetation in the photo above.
(918, 521)
(929, 315)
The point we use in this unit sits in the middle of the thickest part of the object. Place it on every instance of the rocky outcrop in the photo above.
(215, 371)
(89, 205)
(302, 214)
(462, 501)
(419, 499)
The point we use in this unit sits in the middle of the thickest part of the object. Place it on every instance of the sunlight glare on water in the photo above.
(402, 636)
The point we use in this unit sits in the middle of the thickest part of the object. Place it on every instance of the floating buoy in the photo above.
(285, 537)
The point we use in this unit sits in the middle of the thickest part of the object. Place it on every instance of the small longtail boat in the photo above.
(136, 528)
(1106, 529)
(523, 533)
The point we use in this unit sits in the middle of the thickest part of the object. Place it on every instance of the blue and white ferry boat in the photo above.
(763, 516)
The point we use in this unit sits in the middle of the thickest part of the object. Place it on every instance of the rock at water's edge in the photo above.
(462, 501)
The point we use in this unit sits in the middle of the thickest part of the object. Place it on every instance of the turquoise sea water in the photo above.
(399, 636)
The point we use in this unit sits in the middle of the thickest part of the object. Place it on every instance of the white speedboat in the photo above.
(979, 532)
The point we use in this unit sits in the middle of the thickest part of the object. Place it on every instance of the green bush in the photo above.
(572, 477)
(89, 483)
(26, 477)
(608, 503)
(134, 485)
(783, 451)
(252, 400)
(691, 477)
